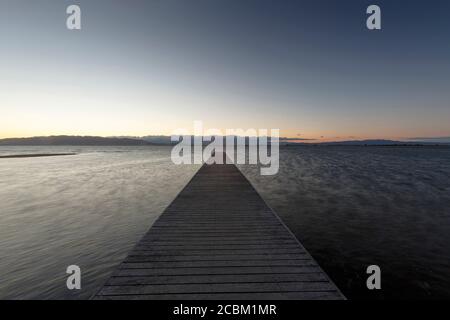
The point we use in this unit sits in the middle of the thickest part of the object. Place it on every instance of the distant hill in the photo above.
(157, 139)
(165, 140)
(72, 141)
(380, 142)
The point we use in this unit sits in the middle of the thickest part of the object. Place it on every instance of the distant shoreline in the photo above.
(406, 145)
(166, 141)
(36, 155)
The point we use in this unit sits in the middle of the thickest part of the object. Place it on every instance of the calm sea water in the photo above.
(350, 206)
(88, 210)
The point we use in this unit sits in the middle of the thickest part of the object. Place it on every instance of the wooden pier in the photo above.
(219, 240)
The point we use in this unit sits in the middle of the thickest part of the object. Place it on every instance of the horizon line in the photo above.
(296, 140)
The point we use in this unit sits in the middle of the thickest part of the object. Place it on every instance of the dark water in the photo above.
(356, 206)
(350, 206)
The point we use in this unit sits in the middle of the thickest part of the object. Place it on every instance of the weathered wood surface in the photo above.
(219, 240)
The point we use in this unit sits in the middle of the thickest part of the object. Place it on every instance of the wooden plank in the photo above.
(215, 264)
(219, 240)
(220, 270)
(216, 242)
(215, 257)
(241, 278)
(186, 252)
(242, 246)
(220, 287)
(312, 295)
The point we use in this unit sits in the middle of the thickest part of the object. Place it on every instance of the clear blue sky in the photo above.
(310, 68)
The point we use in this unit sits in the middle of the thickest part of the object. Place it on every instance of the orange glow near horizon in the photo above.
(35, 131)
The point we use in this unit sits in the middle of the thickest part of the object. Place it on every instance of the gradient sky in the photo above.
(310, 68)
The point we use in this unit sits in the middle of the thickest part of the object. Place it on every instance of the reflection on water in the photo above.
(356, 206)
(350, 206)
(88, 209)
